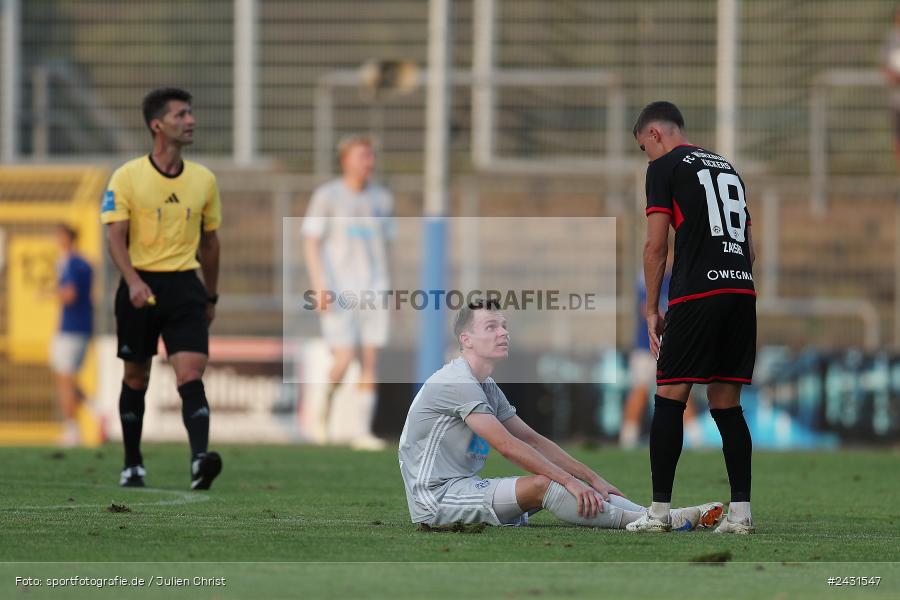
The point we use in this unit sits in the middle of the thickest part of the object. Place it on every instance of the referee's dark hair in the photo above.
(658, 111)
(466, 314)
(156, 102)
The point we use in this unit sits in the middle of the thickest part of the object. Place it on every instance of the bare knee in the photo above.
(137, 382)
(723, 403)
(368, 372)
(341, 361)
(136, 375)
(369, 358)
(541, 483)
(724, 395)
(188, 375)
(677, 391)
(530, 491)
(189, 366)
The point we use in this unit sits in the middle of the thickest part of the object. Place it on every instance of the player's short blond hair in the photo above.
(466, 316)
(356, 139)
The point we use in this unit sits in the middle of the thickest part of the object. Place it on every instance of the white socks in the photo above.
(738, 511)
(366, 406)
(628, 436)
(693, 432)
(626, 504)
(71, 434)
(505, 503)
(660, 510)
(631, 511)
(564, 506)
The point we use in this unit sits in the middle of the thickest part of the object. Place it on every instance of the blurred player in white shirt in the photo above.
(346, 230)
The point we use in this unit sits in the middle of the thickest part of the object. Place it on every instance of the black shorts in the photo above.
(709, 339)
(179, 315)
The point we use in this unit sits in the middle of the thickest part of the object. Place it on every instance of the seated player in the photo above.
(460, 413)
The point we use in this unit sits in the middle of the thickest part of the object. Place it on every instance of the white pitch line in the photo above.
(180, 497)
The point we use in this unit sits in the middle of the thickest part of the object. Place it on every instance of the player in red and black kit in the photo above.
(709, 332)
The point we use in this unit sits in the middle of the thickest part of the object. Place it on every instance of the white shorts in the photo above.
(67, 352)
(351, 328)
(642, 368)
(472, 500)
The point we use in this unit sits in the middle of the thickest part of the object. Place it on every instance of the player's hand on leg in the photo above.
(210, 312)
(605, 488)
(589, 501)
(139, 293)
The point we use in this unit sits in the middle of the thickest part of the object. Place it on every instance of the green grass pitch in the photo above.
(307, 522)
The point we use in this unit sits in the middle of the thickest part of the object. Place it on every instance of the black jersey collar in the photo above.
(166, 175)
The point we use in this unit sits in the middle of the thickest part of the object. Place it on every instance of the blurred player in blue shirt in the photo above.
(642, 375)
(69, 345)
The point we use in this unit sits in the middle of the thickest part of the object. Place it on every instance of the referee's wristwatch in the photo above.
(212, 298)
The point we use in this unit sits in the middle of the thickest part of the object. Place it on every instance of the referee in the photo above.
(162, 213)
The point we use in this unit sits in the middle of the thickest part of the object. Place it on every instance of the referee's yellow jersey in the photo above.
(166, 213)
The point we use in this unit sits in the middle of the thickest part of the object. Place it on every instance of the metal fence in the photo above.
(84, 67)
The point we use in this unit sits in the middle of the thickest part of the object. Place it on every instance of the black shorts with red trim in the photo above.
(712, 338)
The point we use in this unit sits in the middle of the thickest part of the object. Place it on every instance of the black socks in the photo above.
(737, 448)
(195, 414)
(666, 436)
(131, 414)
(667, 431)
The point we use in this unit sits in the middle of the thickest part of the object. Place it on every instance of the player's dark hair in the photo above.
(658, 111)
(467, 313)
(156, 102)
(68, 230)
